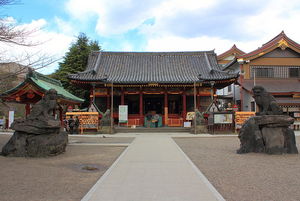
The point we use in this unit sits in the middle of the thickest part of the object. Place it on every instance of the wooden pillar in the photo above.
(27, 109)
(166, 107)
(141, 104)
(92, 95)
(107, 102)
(184, 105)
(122, 97)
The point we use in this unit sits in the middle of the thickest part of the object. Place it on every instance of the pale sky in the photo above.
(152, 25)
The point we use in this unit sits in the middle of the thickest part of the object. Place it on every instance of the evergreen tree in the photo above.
(75, 61)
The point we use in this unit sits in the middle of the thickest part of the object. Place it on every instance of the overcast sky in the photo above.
(154, 25)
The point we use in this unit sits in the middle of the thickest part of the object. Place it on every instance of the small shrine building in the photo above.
(34, 87)
(167, 83)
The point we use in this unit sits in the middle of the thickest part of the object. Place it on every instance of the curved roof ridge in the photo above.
(40, 76)
(232, 49)
(270, 43)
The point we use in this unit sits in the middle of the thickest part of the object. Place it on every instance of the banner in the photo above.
(11, 116)
(123, 113)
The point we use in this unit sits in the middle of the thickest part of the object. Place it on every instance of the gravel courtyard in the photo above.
(247, 177)
(59, 178)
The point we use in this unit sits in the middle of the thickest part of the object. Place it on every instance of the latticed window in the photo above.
(275, 71)
(294, 72)
(264, 72)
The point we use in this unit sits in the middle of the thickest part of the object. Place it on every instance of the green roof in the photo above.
(45, 83)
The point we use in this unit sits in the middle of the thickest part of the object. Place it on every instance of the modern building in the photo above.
(276, 66)
(167, 83)
(230, 95)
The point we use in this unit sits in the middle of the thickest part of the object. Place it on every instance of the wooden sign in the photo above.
(241, 117)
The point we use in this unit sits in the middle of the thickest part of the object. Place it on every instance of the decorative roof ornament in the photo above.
(283, 44)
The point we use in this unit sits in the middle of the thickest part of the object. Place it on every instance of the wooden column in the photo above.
(92, 95)
(27, 109)
(184, 105)
(166, 107)
(141, 104)
(122, 97)
(107, 102)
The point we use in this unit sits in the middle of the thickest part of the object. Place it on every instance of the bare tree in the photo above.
(14, 36)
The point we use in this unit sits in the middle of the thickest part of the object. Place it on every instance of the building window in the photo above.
(264, 72)
(229, 88)
(294, 72)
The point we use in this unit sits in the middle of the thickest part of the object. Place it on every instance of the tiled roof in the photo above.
(152, 67)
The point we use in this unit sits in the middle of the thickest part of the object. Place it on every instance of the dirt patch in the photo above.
(57, 178)
(246, 177)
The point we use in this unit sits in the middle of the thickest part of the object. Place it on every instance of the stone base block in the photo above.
(274, 140)
(106, 130)
(23, 144)
(200, 129)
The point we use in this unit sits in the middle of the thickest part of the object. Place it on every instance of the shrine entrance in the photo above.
(154, 103)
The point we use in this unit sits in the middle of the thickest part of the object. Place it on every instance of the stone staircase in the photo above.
(152, 130)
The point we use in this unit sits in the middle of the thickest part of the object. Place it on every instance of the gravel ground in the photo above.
(248, 177)
(59, 178)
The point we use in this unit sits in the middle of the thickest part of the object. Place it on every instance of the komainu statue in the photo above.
(39, 135)
(269, 130)
(43, 110)
(266, 102)
(106, 127)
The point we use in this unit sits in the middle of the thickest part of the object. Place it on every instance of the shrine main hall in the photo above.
(170, 84)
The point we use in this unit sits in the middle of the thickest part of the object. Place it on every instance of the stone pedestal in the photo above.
(23, 144)
(200, 129)
(106, 130)
(268, 133)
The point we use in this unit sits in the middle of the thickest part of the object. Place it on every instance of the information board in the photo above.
(223, 118)
(123, 113)
(241, 117)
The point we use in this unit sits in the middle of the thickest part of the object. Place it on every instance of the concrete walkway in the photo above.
(153, 168)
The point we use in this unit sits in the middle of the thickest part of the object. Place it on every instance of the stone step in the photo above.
(150, 130)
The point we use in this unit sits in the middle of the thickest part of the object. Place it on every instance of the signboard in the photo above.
(123, 113)
(190, 115)
(223, 118)
(241, 117)
(187, 124)
(11, 116)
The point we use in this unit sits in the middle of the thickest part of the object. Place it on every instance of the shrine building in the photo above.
(167, 83)
(34, 87)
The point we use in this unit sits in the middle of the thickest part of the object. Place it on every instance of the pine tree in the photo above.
(75, 61)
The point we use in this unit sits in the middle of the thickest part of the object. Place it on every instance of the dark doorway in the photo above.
(153, 103)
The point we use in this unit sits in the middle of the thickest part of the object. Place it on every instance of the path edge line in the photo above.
(89, 194)
(201, 175)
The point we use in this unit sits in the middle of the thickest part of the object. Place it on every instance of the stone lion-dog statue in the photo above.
(266, 103)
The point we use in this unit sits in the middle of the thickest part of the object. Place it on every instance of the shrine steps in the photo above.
(152, 130)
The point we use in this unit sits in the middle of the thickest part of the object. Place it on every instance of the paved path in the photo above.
(153, 168)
